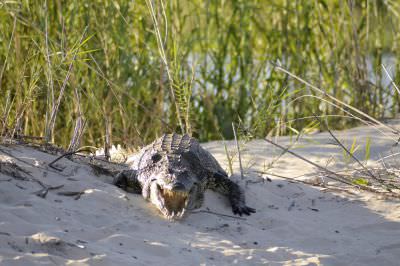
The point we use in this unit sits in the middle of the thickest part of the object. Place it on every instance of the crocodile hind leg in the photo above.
(127, 180)
(222, 184)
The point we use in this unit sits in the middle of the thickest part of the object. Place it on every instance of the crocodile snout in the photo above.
(178, 187)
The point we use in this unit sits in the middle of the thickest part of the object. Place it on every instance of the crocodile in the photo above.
(173, 172)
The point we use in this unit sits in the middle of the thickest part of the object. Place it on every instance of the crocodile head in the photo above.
(172, 195)
(174, 189)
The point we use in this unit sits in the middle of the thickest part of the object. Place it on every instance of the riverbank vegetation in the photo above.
(87, 72)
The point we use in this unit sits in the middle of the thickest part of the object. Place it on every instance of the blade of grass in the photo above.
(332, 98)
(54, 111)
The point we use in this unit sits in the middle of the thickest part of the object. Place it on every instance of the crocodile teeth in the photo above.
(181, 213)
(174, 215)
(171, 204)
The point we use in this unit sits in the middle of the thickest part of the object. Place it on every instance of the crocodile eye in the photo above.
(156, 157)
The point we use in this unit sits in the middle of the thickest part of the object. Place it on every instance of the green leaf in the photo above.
(368, 149)
(354, 147)
(361, 182)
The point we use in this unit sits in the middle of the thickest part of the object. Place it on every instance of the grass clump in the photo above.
(127, 71)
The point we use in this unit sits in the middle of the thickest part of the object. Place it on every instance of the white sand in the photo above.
(295, 224)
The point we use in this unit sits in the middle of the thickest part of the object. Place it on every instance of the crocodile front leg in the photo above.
(127, 180)
(222, 184)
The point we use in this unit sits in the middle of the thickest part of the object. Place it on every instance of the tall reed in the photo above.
(217, 66)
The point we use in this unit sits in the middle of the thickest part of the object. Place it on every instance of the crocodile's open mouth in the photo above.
(173, 203)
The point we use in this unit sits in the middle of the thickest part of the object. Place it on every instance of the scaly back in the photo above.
(174, 147)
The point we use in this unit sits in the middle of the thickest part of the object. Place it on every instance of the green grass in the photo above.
(130, 74)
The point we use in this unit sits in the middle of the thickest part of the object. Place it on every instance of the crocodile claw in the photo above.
(240, 210)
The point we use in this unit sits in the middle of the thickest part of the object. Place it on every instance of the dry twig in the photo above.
(64, 155)
(219, 214)
(346, 150)
(333, 175)
(76, 194)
